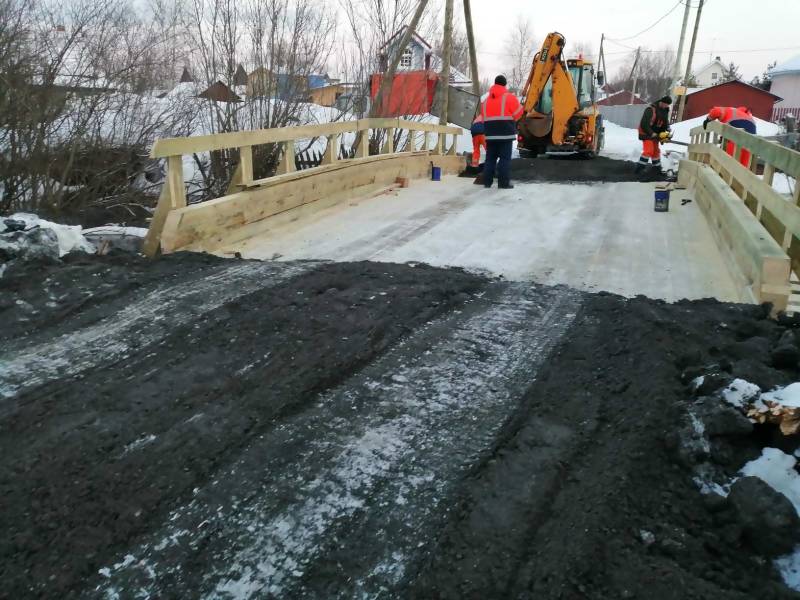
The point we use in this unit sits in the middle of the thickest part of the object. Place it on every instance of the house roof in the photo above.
(790, 67)
(715, 88)
(623, 97)
(414, 36)
(219, 92)
(716, 61)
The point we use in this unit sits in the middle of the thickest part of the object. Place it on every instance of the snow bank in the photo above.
(778, 470)
(739, 393)
(681, 132)
(788, 396)
(70, 237)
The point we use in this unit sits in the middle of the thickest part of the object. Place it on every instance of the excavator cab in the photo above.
(561, 116)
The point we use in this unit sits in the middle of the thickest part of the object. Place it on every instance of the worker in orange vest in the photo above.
(654, 122)
(741, 118)
(478, 139)
(500, 112)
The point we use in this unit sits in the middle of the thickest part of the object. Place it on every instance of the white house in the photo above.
(710, 74)
(786, 84)
(419, 56)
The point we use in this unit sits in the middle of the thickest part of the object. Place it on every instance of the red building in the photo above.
(621, 98)
(411, 93)
(731, 93)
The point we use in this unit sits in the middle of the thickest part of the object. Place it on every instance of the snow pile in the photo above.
(777, 469)
(740, 393)
(681, 132)
(25, 237)
(788, 396)
(69, 237)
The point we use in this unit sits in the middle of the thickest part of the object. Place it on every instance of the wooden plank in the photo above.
(769, 174)
(221, 141)
(331, 154)
(388, 146)
(152, 241)
(780, 157)
(363, 147)
(429, 127)
(177, 189)
(206, 225)
(246, 164)
(286, 164)
(454, 148)
(796, 194)
(411, 143)
(787, 213)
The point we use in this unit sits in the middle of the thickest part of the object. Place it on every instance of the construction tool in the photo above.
(665, 137)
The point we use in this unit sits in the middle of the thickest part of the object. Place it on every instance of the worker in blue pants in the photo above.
(500, 112)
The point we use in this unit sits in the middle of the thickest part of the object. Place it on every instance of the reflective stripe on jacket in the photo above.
(499, 112)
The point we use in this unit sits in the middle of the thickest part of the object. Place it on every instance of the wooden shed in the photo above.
(731, 93)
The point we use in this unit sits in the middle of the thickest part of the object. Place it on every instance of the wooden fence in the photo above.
(759, 226)
(290, 169)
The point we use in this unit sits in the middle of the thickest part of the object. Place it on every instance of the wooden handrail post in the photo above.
(388, 145)
(411, 143)
(177, 190)
(439, 143)
(331, 150)
(425, 142)
(246, 161)
(363, 147)
(286, 164)
(454, 148)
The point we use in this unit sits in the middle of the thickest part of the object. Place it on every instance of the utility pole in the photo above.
(635, 73)
(444, 119)
(473, 53)
(677, 72)
(682, 103)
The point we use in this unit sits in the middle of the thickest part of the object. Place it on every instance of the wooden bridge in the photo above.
(245, 209)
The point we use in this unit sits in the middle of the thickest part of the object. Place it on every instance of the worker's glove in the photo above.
(705, 124)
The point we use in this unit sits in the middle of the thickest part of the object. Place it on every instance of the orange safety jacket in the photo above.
(500, 112)
(740, 117)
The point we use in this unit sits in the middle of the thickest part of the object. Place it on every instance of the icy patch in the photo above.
(788, 396)
(117, 230)
(140, 443)
(740, 392)
(697, 382)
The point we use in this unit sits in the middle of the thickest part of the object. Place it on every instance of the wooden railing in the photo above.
(752, 184)
(173, 195)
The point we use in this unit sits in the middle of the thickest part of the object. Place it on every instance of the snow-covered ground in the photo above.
(70, 237)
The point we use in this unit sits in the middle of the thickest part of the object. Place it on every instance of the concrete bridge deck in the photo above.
(592, 237)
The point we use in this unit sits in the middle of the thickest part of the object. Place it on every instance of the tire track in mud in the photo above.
(340, 499)
(142, 322)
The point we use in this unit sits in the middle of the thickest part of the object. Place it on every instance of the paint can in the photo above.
(662, 201)
(436, 173)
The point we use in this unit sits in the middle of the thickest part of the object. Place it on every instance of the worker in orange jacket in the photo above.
(655, 121)
(478, 139)
(741, 118)
(500, 113)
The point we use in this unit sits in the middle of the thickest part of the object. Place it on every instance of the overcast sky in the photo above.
(751, 33)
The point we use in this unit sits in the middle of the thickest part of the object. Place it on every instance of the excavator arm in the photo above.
(549, 67)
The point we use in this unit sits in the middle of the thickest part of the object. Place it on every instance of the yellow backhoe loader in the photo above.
(561, 116)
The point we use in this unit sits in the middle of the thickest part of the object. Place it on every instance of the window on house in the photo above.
(714, 75)
(406, 58)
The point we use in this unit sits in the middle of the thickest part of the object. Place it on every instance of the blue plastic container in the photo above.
(662, 201)
(436, 173)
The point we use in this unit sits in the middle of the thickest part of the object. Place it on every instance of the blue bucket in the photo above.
(662, 201)
(436, 173)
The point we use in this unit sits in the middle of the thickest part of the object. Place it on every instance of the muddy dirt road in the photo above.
(205, 428)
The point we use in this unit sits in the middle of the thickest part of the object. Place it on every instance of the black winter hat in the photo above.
(501, 80)
(665, 100)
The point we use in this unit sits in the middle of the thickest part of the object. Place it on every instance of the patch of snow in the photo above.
(698, 381)
(70, 237)
(776, 468)
(740, 392)
(787, 396)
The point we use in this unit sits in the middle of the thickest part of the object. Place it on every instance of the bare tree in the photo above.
(654, 71)
(520, 48)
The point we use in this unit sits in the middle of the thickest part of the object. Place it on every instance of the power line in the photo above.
(671, 10)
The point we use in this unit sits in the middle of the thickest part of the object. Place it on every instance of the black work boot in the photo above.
(506, 186)
(640, 167)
